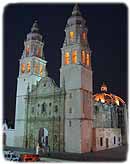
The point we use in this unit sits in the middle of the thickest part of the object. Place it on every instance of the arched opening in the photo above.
(22, 68)
(41, 70)
(114, 140)
(27, 51)
(84, 35)
(28, 67)
(83, 56)
(107, 143)
(43, 138)
(71, 35)
(43, 108)
(67, 58)
(87, 59)
(36, 68)
(39, 52)
(74, 57)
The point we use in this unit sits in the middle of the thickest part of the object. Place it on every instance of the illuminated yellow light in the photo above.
(67, 58)
(117, 102)
(108, 98)
(71, 36)
(27, 50)
(84, 35)
(39, 52)
(83, 57)
(22, 68)
(102, 100)
(122, 101)
(104, 87)
(74, 57)
(28, 67)
(41, 70)
(87, 59)
(36, 68)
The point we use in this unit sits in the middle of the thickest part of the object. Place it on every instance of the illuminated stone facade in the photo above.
(46, 110)
(76, 77)
(110, 112)
(66, 118)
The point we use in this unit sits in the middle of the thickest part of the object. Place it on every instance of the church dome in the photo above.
(34, 34)
(108, 98)
(76, 17)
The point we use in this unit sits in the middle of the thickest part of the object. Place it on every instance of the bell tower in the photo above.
(32, 67)
(76, 77)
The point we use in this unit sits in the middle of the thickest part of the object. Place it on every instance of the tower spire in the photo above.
(76, 11)
(35, 32)
(35, 27)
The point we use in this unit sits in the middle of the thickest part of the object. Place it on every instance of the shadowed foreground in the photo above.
(115, 154)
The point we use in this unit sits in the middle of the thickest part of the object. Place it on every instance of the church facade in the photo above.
(67, 118)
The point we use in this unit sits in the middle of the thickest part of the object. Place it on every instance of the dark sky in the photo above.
(107, 35)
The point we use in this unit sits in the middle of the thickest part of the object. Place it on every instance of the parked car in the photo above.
(12, 156)
(29, 157)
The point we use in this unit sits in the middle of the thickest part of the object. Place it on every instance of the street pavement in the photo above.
(44, 159)
(115, 154)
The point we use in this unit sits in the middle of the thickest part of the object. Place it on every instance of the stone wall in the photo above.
(10, 137)
(106, 138)
(51, 117)
(105, 115)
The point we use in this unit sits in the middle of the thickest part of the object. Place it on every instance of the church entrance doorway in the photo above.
(43, 138)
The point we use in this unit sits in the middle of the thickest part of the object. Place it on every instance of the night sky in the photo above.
(107, 36)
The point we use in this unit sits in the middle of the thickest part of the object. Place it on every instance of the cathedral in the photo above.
(68, 118)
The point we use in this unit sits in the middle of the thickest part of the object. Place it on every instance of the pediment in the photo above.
(44, 87)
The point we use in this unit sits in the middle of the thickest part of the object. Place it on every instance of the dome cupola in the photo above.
(108, 98)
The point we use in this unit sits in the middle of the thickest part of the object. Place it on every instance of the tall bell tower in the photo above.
(76, 77)
(32, 67)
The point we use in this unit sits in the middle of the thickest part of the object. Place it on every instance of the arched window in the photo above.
(55, 138)
(70, 95)
(67, 58)
(88, 59)
(28, 67)
(74, 57)
(114, 140)
(70, 110)
(43, 108)
(32, 109)
(36, 68)
(56, 108)
(101, 141)
(39, 52)
(84, 35)
(22, 68)
(41, 70)
(69, 123)
(71, 35)
(27, 50)
(83, 56)
(50, 104)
